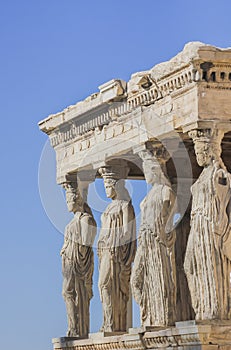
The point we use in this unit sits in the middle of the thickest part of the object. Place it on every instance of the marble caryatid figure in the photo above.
(208, 254)
(78, 263)
(116, 249)
(153, 277)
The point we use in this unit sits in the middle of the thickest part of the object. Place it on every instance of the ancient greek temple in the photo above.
(169, 126)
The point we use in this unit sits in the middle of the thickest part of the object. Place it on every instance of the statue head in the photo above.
(114, 183)
(73, 198)
(154, 166)
(207, 145)
(152, 171)
(110, 187)
(204, 154)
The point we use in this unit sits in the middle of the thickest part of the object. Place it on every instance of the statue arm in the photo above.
(88, 230)
(65, 243)
(129, 234)
(221, 201)
(129, 224)
(226, 239)
(169, 200)
(102, 244)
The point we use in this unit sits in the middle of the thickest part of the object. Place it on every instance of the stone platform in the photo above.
(184, 336)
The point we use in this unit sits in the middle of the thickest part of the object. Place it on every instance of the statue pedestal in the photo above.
(188, 335)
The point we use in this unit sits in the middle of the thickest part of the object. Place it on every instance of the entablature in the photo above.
(193, 88)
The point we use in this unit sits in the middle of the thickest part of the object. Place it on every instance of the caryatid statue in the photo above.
(208, 255)
(153, 277)
(116, 249)
(78, 263)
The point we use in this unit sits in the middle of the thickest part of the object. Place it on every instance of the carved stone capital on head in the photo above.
(114, 176)
(70, 187)
(76, 184)
(154, 162)
(72, 195)
(161, 154)
(118, 170)
(155, 151)
(69, 182)
(211, 135)
(207, 144)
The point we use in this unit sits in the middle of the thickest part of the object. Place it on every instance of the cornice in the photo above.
(185, 72)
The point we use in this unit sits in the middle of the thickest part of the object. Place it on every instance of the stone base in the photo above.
(184, 336)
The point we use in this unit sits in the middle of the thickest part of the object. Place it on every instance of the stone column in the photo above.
(116, 248)
(154, 276)
(208, 254)
(78, 262)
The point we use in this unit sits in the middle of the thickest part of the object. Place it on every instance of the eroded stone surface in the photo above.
(116, 249)
(78, 263)
(207, 260)
(154, 270)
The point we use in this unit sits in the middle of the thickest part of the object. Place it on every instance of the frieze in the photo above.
(88, 138)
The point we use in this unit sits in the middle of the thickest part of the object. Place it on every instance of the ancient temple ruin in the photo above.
(171, 126)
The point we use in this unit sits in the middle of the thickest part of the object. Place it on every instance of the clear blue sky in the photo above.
(53, 54)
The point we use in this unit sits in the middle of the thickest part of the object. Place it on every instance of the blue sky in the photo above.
(53, 54)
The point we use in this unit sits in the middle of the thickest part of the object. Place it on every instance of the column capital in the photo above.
(156, 151)
(117, 169)
(212, 134)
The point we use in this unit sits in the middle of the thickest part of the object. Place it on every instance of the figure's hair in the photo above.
(74, 190)
(114, 176)
(121, 191)
(86, 208)
(155, 163)
(211, 140)
(213, 147)
(154, 167)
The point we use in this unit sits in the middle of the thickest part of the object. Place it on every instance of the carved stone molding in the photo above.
(191, 89)
(187, 335)
(195, 69)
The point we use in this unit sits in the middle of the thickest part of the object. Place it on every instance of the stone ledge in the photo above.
(185, 336)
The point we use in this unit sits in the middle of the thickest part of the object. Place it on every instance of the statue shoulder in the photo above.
(72, 222)
(126, 205)
(168, 194)
(88, 218)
